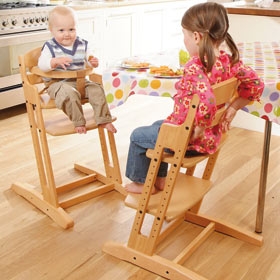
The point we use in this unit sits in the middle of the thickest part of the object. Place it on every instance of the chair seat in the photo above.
(61, 125)
(187, 192)
(187, 161)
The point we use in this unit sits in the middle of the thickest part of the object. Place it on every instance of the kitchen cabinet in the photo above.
(151, 30)
(91, 28)
(119, 32)
(254, 28)
(117, 35)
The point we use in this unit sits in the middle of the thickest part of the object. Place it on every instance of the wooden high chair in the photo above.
(179, 201)
(49, 200)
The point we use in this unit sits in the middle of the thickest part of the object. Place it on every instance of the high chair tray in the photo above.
(187, 192)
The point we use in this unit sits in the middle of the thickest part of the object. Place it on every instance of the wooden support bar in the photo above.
(86, 196)
(154, 263)
(187, 252)
(77, 183)
(170, 227)
(225, 228)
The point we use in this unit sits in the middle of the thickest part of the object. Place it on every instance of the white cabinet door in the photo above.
(172, 29)
(118, 37)
(151, 30)
(91, 28)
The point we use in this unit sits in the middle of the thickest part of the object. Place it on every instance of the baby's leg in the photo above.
(109, 126)
(67, 98)
(97, 99)
(81, 129)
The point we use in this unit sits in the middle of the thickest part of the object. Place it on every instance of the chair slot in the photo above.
(77, 183)
(86, 196)
(187, 192)
(189, 250)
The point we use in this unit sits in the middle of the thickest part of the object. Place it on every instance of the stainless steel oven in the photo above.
(23, 26)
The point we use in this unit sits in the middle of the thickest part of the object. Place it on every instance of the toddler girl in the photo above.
(205, 28)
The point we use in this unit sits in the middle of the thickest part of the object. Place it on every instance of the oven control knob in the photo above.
(25, 21)
(14, 22)
(44, 19)
(5, 23)
(31, 20)
(37, 20)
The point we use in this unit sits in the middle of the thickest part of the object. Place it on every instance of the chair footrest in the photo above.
(187, 192)
(61, 125)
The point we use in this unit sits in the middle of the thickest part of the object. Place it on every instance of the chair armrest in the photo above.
(60, 74)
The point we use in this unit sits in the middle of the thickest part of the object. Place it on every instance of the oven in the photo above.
(23, 27)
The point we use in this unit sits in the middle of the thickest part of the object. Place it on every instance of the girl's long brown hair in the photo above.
(211, 21)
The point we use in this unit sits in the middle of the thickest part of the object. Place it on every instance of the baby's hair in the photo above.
(211, 21)
(61, 11)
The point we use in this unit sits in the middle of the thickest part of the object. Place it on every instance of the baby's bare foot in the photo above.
(160, 182)
(81, 129)
(109, 126)
(136, 188)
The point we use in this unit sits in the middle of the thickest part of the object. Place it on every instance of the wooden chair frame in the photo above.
(179, 201)
(48, 201)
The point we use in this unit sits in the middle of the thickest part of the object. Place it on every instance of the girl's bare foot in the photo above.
(160, 182)
(109, 126)
(81, 129)
(136, 188)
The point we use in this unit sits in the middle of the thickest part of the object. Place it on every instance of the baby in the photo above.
(66, 52)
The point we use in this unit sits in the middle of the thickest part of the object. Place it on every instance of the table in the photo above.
(119, 84)
(265, 59)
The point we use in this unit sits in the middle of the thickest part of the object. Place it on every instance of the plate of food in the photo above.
(134, 64)
(166, 72)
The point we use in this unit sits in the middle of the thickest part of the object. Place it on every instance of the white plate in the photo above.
(126, 66)
(165, 77)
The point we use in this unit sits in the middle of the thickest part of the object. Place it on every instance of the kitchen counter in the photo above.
(82, 5)
(248, 8)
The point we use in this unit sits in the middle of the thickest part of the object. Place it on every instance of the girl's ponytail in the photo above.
(233, 49)
(206, 51)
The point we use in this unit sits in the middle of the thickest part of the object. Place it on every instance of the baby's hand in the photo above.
(93, 61)
(60, 61)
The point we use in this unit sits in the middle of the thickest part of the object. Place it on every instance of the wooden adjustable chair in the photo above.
(49, 201)
(179, 201)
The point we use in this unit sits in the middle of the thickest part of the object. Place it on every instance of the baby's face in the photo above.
(63, 28)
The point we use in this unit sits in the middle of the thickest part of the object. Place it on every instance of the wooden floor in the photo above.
(33, 247)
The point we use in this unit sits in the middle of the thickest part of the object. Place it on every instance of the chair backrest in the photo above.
(224, 92)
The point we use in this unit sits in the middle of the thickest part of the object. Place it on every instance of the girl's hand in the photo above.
(227, 118)
(198, 133)
(93, 61)
(60, 61)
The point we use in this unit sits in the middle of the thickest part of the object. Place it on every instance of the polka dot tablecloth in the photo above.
(119, 84)
(265, 59)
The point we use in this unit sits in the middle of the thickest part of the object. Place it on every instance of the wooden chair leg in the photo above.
(57, 214)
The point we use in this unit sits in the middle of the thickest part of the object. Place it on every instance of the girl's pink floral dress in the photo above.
(196, 81)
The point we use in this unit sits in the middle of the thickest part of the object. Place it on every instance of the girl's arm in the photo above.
(230, 113)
